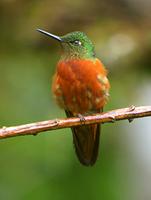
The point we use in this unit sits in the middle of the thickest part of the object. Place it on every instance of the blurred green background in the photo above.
(45, 166)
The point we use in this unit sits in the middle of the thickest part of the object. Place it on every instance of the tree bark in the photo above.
(111, 116)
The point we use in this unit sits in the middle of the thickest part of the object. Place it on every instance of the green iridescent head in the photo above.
(75, 45)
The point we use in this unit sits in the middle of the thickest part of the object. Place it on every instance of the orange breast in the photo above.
(81, 86)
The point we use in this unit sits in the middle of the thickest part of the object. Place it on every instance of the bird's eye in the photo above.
(77, 42)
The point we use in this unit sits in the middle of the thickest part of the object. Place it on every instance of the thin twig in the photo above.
(115, 115)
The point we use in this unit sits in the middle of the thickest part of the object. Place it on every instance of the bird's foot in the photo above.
(82, 119)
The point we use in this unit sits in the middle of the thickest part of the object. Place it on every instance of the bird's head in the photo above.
(75, 44)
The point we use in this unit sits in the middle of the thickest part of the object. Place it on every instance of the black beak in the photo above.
(50, 35)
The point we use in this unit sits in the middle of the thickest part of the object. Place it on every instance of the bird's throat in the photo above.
(72, 54)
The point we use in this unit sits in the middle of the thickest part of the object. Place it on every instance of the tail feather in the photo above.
(86, 142)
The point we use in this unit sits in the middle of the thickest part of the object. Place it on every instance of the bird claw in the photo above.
(82, 119)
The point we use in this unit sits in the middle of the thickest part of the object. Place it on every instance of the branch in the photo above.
(111, 116)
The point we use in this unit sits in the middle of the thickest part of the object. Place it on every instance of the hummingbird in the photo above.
(80, 87)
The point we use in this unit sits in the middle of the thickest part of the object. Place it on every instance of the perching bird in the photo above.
(80, 86)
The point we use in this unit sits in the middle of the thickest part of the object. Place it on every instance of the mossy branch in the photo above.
(111, 116)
